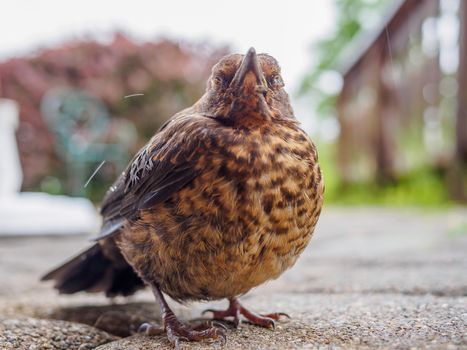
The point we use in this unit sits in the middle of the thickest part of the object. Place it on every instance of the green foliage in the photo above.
(352, 16)
(422, 187)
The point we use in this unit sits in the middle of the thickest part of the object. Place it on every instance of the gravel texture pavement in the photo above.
(371, 278)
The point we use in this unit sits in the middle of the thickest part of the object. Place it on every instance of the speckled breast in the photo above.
(244, 220)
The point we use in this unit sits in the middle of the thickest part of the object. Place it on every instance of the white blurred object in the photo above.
(11, 175)
(34, 213)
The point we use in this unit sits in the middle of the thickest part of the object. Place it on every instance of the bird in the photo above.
(223, 198)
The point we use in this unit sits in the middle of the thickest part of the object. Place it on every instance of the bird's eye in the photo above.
(221, 81)
(276, 81)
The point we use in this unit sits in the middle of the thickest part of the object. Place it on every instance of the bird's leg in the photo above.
(236, 309)
(177, 330)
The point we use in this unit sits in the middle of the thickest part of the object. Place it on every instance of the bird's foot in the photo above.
(236, 309)
(177, 331)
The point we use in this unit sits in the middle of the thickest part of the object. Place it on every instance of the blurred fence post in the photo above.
(384, 112)
(459, 178)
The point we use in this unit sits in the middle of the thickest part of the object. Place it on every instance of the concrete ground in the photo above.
(371, 278)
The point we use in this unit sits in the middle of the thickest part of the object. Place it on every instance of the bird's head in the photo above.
(245, 89)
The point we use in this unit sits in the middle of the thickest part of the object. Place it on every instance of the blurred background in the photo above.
(380, 86)
(376, 83)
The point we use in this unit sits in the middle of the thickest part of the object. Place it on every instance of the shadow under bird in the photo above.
(224, 197)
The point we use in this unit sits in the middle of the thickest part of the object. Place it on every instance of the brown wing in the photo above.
(164, 166)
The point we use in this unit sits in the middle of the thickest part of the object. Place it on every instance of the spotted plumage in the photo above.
(223, 198)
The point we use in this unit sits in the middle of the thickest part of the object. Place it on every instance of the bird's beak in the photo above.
(249, 74)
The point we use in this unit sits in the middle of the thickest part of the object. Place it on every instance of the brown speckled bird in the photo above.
(224, 197)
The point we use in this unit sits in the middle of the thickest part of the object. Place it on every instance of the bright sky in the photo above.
(285, 29)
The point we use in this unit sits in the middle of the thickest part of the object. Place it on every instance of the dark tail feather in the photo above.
(91, 271)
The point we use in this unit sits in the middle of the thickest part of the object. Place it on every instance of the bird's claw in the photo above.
(219, 325)
(177, 332)
(235, 309)
(221, 315)
(150, 329)
(277, 315)
(261, 321)
(208, 310)
(268, 320)
(209, 324)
